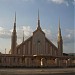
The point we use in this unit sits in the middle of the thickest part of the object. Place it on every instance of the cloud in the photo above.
(4, 33)
(1, 28)
(51, 36)
(17, 0)
(69, 37)
(27, 0)
(60, 2)
(74, 2)
(69, 41)
(48, 32)
(27, 32)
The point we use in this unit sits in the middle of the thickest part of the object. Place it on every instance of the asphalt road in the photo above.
(57, 71)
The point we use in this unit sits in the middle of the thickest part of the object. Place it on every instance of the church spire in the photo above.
(38, 21)
(59, 29)
(14, 38)
(60, 41)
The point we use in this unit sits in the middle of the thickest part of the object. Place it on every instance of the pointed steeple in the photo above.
(60, 41)
(14, 38)
(23, 36)
(38, 21)
(59, 29)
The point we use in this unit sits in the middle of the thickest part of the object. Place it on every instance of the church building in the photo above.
(37, 44)
(36, 51)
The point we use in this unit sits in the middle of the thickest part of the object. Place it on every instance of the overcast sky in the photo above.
(26, 13)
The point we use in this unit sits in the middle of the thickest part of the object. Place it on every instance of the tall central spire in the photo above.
(38, 21)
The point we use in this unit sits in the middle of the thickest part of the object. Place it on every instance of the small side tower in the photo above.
(23, 36)
(60, 41)
(14, 38)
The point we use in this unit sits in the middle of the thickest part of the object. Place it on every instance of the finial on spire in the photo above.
(15, 22)
(23, 35)
(59, 22)
(38, 14)
(15, 17)
(38, 21)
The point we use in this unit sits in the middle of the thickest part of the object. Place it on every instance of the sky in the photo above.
(26, 18)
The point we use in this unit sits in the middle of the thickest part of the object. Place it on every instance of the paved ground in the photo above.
(63, 71)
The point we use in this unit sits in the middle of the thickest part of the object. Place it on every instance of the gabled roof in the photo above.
(24, 41)
(38, 30)
(51, 42)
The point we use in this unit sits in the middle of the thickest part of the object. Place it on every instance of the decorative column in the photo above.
(60, 62)
(68, 62)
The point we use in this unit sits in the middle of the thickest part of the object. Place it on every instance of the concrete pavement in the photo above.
(54, 71)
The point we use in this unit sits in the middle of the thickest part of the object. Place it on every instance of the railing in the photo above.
(36, 61)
